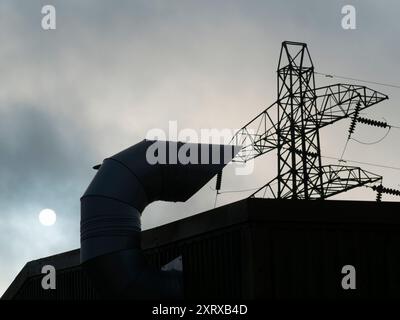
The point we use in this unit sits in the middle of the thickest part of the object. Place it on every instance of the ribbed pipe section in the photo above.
(112, 205)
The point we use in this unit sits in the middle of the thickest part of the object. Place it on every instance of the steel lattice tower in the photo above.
(291, 125)
(297, 124)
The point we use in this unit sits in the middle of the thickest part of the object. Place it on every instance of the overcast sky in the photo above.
(113, 70)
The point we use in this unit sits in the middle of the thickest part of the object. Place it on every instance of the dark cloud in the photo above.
(42, 164)
(37, 154)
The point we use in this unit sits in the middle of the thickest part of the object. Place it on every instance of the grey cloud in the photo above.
(113, 70)
(41, 165)
(37, 153)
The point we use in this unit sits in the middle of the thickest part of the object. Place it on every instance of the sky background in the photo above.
(113, 70)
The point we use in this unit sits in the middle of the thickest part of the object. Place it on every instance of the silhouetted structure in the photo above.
(112, 205)
(291, 126)
(258, 248)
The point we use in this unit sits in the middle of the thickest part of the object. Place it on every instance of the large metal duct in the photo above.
(112, 205)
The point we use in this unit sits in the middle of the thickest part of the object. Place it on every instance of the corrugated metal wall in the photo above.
(279, 255)
(213, 264)
(71, 284)
(305, 261)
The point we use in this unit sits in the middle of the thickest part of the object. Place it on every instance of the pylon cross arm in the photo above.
(339, 101)
(335, 179)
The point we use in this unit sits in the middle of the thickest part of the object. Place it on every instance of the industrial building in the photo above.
(258, 249)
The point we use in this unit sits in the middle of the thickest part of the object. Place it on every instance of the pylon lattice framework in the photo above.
(292, 124)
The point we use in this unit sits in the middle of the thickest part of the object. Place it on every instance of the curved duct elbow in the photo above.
(112, 205)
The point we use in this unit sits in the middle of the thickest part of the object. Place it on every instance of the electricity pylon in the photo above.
(292, 124)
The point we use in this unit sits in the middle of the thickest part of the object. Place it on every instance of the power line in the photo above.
(344, 149)
(358, 80)
(229, 191)
(362, 162)
(374, 142)
(232, 191)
